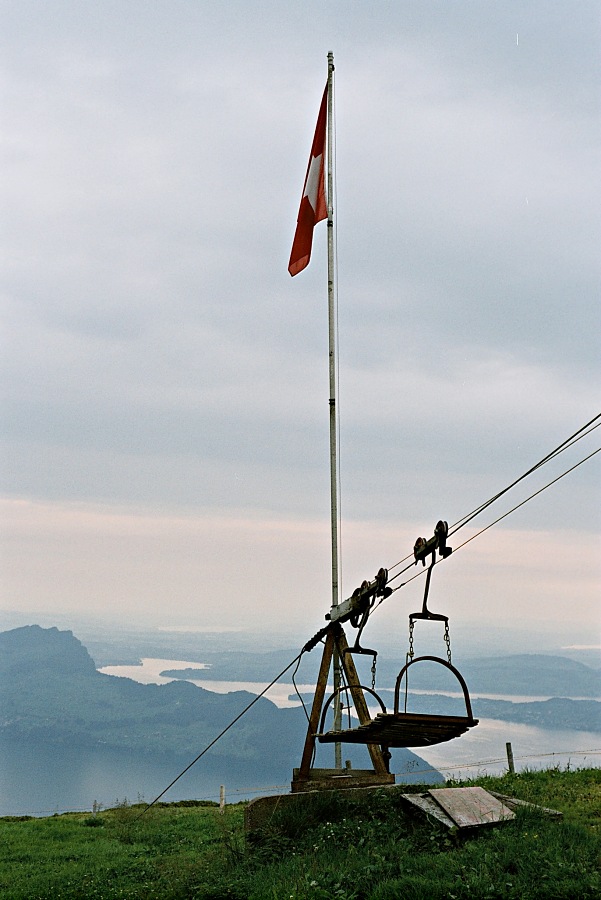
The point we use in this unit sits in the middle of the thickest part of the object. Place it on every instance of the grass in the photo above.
(334, 846)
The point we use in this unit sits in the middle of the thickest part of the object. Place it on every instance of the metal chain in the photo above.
(373, 675)
(447, 640)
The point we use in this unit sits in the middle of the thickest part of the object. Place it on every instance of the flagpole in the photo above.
(332, 339)
(333, 414)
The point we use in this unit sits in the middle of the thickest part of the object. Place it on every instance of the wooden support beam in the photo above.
(320, 690)
(335, 640)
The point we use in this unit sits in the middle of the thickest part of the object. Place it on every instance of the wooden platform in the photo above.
(402, 730)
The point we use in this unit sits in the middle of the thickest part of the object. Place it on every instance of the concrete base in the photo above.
(259, 811)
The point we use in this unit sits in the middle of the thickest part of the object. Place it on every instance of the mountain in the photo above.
(52, 694)
(529, 675)
(43, 650)
(557, 712)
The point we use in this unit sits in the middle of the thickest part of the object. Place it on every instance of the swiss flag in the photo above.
(313, 207)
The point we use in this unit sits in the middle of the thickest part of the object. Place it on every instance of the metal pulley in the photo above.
(423, 548)
(362, 599)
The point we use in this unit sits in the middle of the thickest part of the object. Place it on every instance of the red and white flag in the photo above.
(313, 207)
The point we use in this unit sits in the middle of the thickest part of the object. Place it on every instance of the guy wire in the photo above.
(221, 733)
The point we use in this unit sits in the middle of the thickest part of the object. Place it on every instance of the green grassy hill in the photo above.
(336, 846)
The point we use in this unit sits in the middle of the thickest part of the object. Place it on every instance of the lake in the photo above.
(480, 750)
(41, 781)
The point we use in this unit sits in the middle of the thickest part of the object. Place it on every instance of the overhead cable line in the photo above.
(565, 445)
(499, 519)
(461, 522)
(540, 490)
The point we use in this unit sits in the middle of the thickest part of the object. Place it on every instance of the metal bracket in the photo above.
(361, 600)
(425, 613)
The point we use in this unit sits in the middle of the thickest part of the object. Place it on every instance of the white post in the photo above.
(222, 799)
(333, 413)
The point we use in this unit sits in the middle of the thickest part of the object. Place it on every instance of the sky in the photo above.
(164, 455)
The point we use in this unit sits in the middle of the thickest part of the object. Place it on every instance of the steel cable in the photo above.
(490, 525)
(565, 445)
(221, 733)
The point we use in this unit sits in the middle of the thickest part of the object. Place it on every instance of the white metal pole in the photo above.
(332, 340)
(333, 415)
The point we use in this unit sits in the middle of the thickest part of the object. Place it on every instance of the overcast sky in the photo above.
(165, 381)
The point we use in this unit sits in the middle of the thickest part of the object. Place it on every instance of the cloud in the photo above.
(156, 354)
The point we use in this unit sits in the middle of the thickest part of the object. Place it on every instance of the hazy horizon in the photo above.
(468, 641)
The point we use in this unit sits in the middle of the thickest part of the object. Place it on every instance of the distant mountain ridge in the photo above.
(532, 674)
(52, 694)
(526, 674)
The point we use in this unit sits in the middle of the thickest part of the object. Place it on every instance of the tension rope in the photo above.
(221, 733)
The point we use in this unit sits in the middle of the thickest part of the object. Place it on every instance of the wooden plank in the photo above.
(513, 802)
(400, 730)
(470, 807)
(340, 779)
(427, 805)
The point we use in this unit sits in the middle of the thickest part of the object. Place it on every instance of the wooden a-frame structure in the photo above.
(306, 778)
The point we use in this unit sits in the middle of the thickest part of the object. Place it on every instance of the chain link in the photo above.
(447, 640)
(373, 675)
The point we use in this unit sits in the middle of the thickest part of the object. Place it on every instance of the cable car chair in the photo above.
(401, 728)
